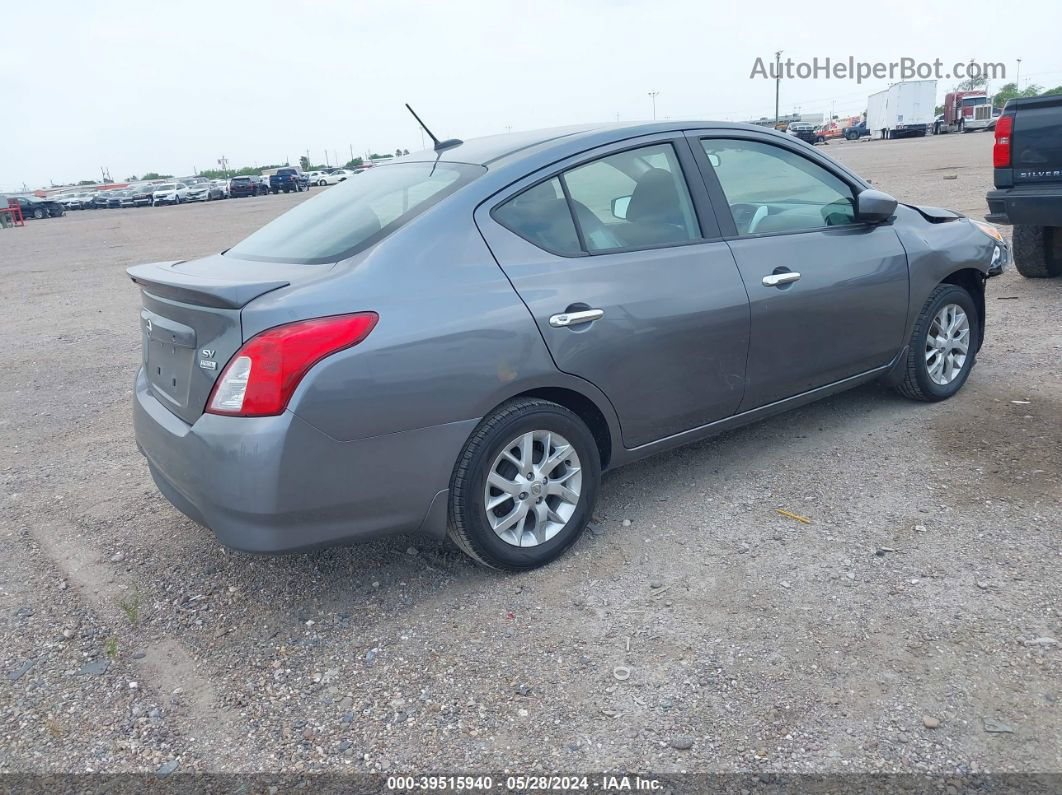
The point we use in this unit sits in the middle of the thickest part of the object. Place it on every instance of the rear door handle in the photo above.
(576, 318)
(778, 279)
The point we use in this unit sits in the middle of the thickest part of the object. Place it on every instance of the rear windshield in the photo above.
(354, 214)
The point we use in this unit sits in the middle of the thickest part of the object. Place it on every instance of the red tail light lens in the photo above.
(261, 378)
(1001, 149)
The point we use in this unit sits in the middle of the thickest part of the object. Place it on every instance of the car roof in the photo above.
(509, 148)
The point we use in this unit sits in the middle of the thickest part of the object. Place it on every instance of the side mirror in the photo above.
(713, 158)
(874, 206)
(619, 207)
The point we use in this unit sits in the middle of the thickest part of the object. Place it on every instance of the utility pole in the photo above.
(224, 163)
(351, 152)
(777, 83)
(1017, 81)
(653, 95)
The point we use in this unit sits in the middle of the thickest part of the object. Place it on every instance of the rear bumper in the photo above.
(1033, 205)
(277, 484)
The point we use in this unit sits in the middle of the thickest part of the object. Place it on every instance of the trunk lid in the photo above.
(190, 321)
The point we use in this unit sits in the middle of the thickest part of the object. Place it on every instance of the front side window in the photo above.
(772, 189)
(355, 213)
(629, 200)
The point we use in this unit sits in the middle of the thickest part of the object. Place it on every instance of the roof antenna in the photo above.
(439, 145)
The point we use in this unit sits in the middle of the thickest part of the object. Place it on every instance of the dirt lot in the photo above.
(911, 626)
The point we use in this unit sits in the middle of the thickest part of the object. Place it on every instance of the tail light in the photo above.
(1001, 149)
(261, 378)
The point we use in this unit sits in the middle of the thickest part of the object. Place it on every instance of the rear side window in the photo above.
(629, 200)
(355, 213)
(541, 216)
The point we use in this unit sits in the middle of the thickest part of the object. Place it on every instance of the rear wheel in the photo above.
(943, 346)
(39, 213)
(525, 485)
(1038, 251)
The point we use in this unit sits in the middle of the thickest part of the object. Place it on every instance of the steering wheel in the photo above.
(757, 217)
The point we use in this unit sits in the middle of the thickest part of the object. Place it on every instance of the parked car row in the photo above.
(186, 189)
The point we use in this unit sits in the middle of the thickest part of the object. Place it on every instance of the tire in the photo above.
(503, 429)
(1038, 251)
(918, 384)
(851, 136)
(321, 183)
(39, 213)
(962, 125)
(176, 199)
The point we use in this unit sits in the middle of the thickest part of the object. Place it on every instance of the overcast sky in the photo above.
(172, 86)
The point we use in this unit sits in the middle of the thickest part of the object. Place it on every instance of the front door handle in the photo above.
(576, 318)
(778, 279)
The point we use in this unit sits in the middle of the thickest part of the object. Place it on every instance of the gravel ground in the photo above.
(910, 626)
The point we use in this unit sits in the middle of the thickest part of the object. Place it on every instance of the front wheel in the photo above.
(943, 346)
(524, 487)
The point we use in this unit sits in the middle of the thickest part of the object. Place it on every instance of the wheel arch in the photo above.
(973, 281)
(595, 410)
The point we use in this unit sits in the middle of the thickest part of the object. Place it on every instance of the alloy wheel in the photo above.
(533, 488)
(947, 344)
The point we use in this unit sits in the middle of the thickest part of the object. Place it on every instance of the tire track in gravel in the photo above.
(167, 667)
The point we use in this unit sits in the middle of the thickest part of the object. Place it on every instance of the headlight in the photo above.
(989, 229)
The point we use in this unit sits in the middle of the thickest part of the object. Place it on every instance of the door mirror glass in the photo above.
(874, 206)
(619, 207)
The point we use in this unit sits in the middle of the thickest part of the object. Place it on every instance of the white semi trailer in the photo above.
(902, 109)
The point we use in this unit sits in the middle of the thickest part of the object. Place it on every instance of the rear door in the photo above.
(619, 259)
(828, 295)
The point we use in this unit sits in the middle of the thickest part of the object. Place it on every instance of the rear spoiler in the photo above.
(160, 279)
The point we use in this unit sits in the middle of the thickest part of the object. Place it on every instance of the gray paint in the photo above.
(691, 343)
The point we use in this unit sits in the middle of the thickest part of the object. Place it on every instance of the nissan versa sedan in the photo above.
(460, 342)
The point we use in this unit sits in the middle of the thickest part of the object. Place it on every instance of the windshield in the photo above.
(166, 186)
(355, 213)
(968, 101)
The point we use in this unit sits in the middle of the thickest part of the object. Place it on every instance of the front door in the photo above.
(619, 260)
(828, 294)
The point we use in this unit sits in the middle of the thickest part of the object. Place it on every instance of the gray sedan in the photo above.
(461, 342)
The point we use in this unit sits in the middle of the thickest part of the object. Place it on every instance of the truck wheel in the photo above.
(1038, 251)
(525, 485)
(851, 136)
(943, 345)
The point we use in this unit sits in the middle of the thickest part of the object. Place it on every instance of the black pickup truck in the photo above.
(1027, 158)
(288, 179)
